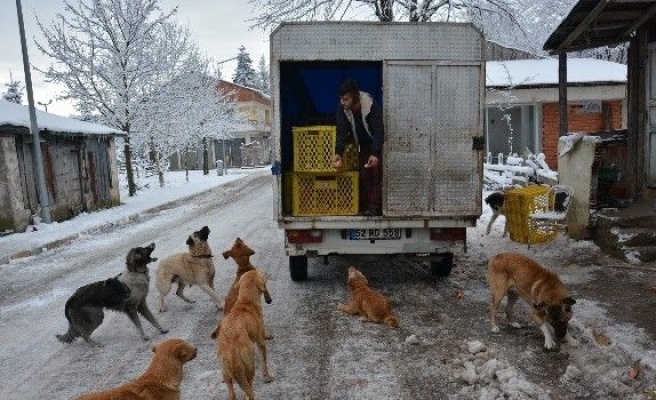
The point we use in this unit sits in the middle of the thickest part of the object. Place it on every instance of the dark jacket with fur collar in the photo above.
(372, 116)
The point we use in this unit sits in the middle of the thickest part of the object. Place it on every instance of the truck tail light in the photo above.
(448, 234)
(305, 236)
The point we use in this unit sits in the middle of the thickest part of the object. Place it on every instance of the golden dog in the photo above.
(160, 381)
(186, 269)
(241, 253)
(371, 305)
(519, 276)
(237, 332)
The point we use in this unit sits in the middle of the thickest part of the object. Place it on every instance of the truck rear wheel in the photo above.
(298, 268)
(441, 264)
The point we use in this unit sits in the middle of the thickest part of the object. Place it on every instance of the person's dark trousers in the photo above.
(371, 199)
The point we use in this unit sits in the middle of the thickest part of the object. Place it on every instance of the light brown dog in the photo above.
(160, 381)
(241, 253)
(242, 256)
(237, 332)
(518, 276)
(186, 269)
(371, 305)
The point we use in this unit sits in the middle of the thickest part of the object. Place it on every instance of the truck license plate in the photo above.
(375, 234)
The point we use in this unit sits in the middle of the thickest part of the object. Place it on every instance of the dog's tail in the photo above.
(393, 321)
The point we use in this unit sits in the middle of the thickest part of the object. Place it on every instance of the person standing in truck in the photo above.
(360, 120)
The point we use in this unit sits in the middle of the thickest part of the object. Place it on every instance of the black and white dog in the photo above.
(125, 293)
(495, 200)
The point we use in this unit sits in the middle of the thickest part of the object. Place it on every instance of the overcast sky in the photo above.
(219, 28)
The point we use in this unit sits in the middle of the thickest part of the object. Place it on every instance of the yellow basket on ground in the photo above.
(314, 148)
(519, 203)
(325, 194)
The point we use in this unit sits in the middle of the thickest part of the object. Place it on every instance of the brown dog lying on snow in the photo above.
(162, 379)
(371, 305)
(519, 276)
(237, 332)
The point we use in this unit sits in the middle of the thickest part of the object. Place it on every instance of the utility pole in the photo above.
(36, 141)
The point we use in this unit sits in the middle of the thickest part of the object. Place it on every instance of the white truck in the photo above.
(430, 80)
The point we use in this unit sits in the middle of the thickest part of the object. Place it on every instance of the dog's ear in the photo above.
(227, 254)
(190, 241)
(541, 307)
(250, 251)
(215, 333)
(569, 301)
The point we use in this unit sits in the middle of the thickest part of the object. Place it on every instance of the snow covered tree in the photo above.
(269, 13)
(14, 92)
(244, 73)
(110, 55)
(185, 113)
(263, 76)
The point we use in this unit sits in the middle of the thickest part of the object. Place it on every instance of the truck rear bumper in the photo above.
(338, 241)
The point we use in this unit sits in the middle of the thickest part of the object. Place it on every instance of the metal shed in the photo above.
(80, 167)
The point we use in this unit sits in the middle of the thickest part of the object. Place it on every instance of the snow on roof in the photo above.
(544, 72)
(18, 115)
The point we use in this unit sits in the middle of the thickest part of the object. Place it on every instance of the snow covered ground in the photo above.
(149, 197)
(443, 350)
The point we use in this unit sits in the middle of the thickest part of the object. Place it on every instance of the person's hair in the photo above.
(351, 87)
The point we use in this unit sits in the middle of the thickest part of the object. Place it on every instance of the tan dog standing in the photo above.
(519, 276)
(160, 381)
(371, 305)
(186, 269)
(241, 254)
(237, 332)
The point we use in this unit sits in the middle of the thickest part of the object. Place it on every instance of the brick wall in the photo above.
(577, 121)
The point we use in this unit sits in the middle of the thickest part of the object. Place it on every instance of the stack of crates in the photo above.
(519, 203)
(318, 188)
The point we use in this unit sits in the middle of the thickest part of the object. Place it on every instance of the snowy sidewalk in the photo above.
(150, 197)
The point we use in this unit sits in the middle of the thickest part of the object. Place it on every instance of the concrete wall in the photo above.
(575, 170)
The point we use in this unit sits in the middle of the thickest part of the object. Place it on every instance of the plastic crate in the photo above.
(314, 148)
(325, 194)
(518, 204)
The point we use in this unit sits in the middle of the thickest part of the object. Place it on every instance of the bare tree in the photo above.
(110, 55)
(188, 111)
(270, 13)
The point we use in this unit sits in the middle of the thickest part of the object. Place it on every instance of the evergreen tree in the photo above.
(263, 76)
(14, 91)
(244, 73)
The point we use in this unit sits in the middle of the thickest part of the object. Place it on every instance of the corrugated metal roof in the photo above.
(597, 23)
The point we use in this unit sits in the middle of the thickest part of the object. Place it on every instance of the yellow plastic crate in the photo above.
(325, 194)
(518, 204)
(314, 148)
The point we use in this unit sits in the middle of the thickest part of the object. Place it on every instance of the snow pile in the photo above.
(491, 378)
